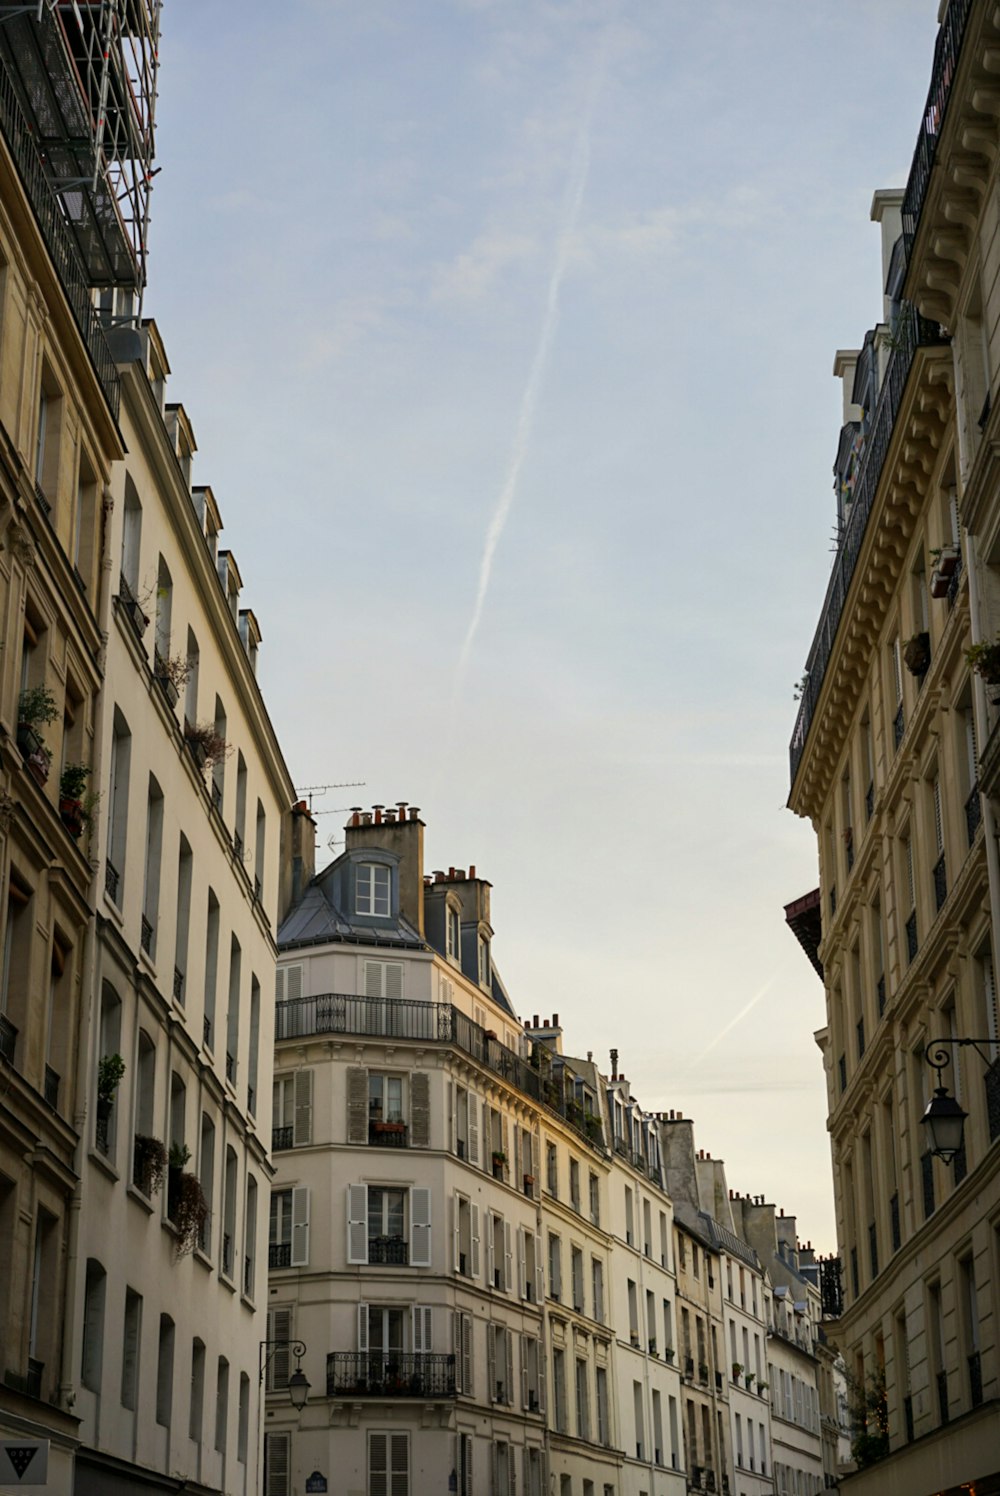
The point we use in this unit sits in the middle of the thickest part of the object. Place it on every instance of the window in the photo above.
(603, 1423)
(243, 1426)
(151, 890)
(121, 753)
(250, 1238)
(387, 1226)
(222, 1405)
(165, 1371)
(461, 1333)
(629, 1217)
(207, 1175)
(292, 1110)
(288, 1240)
(582, 1400)
(595, 1199)
(197, 1408)
(574, 1184)
(254, 1054)
(372, 889)
(552, 1170)
(555, 1267)
(500, 1364)
(233, 1009)
(531, 1374)
(597, 1285)
(385, 1099)
(131, 537)
(504, 1469)
(637, 1409)
(184, 874)
(388, 1465)
(219, 762)
(499, 1257)
(453, 935)
(211, 967)
(576, 1263)
(484, 962)
(131, 1335)
(93, 1325)
(559, 1389)
(383, 979)
(260, 842)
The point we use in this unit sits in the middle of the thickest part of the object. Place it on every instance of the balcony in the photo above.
(112, 878)
(51, 1088)
(442, 1023)
(389, 1374)
(991, 1081)
(388, 1134)
(388, 1251)
(947, 48)
(913, 333)
(281, 1138)
(973, 814)
(279, 1254)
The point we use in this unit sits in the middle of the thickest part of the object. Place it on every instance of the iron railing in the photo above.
(975, 1380)
(146, 935)
(58, 239)
(388, 1251)
(230, 1067)
(913, 332)
(178, 986)
(894, 1222)
(112, 878)
(409, 1018)
(281, 1138)
(389, 1374)
(940, 877)
(279, 1254)
(973, 813)
(946, 50)
(991, 1081)
(51, 1088)
(927, 1174)
(388, 1134)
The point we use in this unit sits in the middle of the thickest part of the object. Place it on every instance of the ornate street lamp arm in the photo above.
(937, 1056)
(270, 1348)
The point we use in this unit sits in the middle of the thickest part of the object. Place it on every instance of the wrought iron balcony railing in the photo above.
(913, 332)
(946, 51)
(389, 1374)
(8, 1039)
(408, 1018)
(973, 813)
(282, 1137)
(279, 1254)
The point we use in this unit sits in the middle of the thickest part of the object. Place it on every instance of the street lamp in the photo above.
(298, 1385)
(943, 1117)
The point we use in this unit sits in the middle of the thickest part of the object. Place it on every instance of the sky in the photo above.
(506, 328)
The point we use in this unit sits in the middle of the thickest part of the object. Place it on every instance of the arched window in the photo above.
(106, 1089)
(131, 538)
(164, 608)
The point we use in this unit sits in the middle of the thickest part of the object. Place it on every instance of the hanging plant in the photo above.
(984, 659)
(917, 653)
(187, 1208)
(110, 1070)
(150, 1164)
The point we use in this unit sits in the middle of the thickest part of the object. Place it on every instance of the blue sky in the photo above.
(355, 231)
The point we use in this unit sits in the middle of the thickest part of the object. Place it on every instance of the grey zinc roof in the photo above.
(500, 994)
(315, 920)
(728, 1241)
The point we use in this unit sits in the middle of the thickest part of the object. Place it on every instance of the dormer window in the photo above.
(453, 935)
(484, 961)
(372, 892)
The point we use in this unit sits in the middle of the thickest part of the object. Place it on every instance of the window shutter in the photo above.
(363, 1328)
(279, 1328)
(505, 1140)
(456, 1234)
(539, 1273)
(422, 1329)
(992, 1011)
(451, 1132)
(491, 1362)
(526, 1470)
(467, 1368)
(468, 1442)
(300, 1226)
(511, 1471)
(508, 1259)
(508, 1381)
(357, 1223)
(357, 1104)
(522, 1273)
(393, 979)
(399, 1472)
(456, 1348)
(373, 979)
(524, 1371)
(490, 1251)
(495, 1456)
(378, 1460)
(541, 1376)
(420, 1227)
(473, 1129)
(420, 1109)
(474, 1233)
(276, 1464)
(288, 983)
(303, 1106)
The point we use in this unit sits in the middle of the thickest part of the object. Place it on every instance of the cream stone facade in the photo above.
(894, 761)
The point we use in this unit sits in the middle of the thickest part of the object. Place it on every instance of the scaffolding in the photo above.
(84, 75)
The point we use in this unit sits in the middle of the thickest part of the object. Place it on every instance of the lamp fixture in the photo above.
(943, 1116)
(298, 1383)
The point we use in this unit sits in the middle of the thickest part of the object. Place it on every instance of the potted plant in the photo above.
(737, 1370)
(917, 653)
(110, 1069)
(703, 1370)
(529, 1184)
(499, 1163)
(171, 673)
(72, 783)
(207, 746)
(36, 707)
(762, 1387)
(149, 1164)
(984, 659)
(187, 1207)
(668, 1354)
(749, 1380)
(945, 559)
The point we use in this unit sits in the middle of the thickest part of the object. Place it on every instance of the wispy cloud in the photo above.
(473, 274)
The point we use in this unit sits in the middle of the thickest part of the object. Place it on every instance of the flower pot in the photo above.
(168, 688)
(71, 812)
(37, 765)
(917, 654)
(939, 584)
(947, 563)
(27, 739)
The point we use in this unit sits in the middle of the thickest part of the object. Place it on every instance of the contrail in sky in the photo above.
(762, 992)
(575, 188)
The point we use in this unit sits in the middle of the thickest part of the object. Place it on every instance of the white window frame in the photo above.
(372, 889)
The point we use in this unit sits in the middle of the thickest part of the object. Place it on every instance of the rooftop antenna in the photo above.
(321, 789)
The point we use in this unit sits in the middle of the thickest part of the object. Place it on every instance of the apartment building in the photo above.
(894, 760)
(138, 897)
(167, 1290)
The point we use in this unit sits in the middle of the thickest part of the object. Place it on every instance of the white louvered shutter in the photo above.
(421, 1329)
(511, 1471)
(373, 978)
(526, 1469)
(468, 1372)
(504, 1136)
(276, 1464)
(420, 1109)
(363, 1329)
(452, 1120)
(524, 1371)
(279, 1332)
(491, 1362)
(539, 1272)
(288, 983)
(473, 1129)
(516, 1175)
(378, 1464)
(300, 1226)
(303, 1107)
(541, 1376)
(468, 1443)
(420, 1227)
(456, 1234)
(357, 1104)
(508, 1383)
(393, 979)
(474, 1233)
(522, 1271)
(508, 1259)
(490, 1249)
(456, 1348)
(357, 1223)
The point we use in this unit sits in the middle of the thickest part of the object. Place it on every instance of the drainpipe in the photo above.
(89, 994)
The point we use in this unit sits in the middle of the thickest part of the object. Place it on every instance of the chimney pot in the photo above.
(555, 1020)
(680, 1116)
(590, 1056)
(401, 804)
(366, 818)
(534, 1021)
(414, 812)
(378, 809)
(355, 815)
(472, 869)
(614, 1064)
(390, 815)
(460, 875)
(451, 872)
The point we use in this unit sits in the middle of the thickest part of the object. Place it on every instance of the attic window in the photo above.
(372, 889)
(484, 961)
(453, 935)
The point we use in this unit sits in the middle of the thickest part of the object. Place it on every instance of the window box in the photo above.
(71, 815)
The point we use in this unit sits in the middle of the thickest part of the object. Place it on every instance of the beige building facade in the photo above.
(892, 761)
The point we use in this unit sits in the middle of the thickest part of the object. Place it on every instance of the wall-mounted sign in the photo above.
(24, 1462)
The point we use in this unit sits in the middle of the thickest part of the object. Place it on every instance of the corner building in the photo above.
(894, 760)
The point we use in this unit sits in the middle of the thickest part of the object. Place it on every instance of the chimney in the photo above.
(614, 1064)
(404, 838)
(297, 860)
